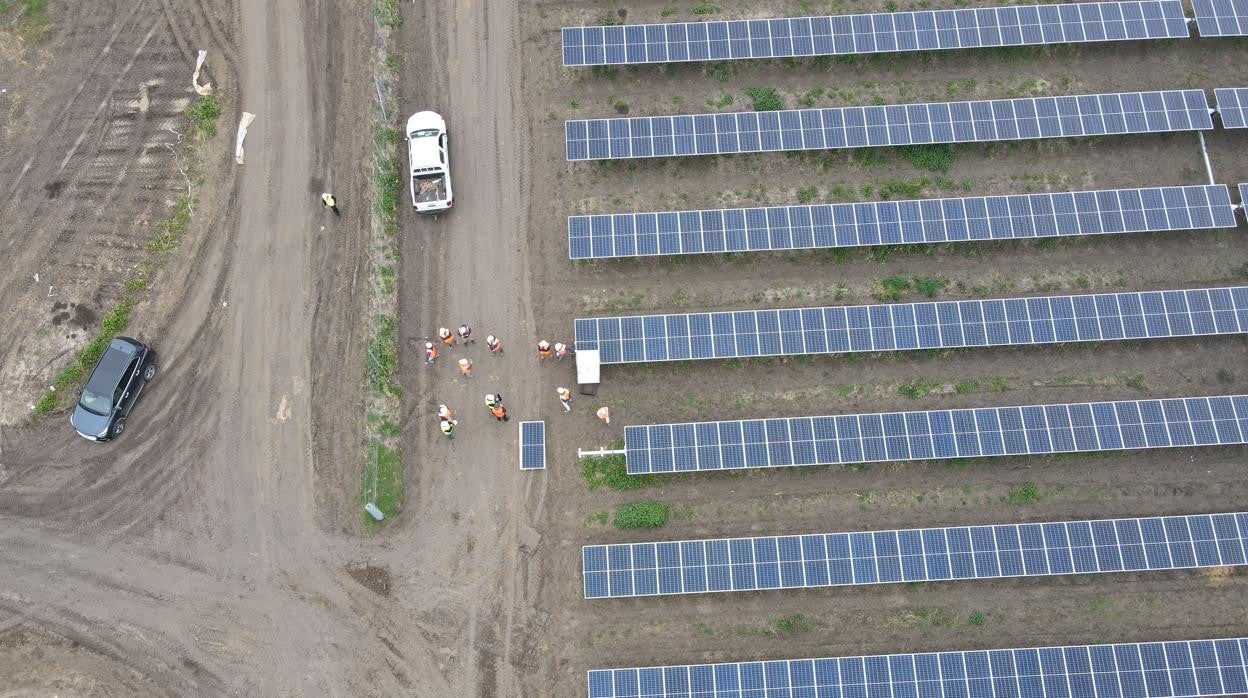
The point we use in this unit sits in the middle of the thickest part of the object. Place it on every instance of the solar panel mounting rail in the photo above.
(927, 30)
(915, 555)
(926, 325)
(920, 221)
(1180, 669)
(891, 125)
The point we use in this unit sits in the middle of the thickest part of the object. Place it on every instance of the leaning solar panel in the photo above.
(533, 445)
(874, 33)
(1127, 670)
(930, 325)
(1220, 17)
(914, 555)
(901, 222)
(899, 124)
(1232, 105)
(902, 436)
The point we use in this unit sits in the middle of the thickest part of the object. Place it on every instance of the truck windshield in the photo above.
(423, 133)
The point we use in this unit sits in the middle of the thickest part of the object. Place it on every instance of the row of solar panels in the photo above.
(928, 325)
(1126, 670)
(927, 30)
(915, 555)
(1113, 113)
(924, 221)
(936, 434)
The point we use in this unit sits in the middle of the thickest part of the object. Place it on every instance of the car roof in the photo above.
(111, 367)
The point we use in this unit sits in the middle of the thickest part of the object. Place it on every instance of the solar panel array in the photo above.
(1221, 17)
(874, 33)
(901, 222)
(901, 436)
(914, 555)
(901, 124)
(1243, 193)
(1232, 106)
(533, 445)
(929, 325)
(1127, 670)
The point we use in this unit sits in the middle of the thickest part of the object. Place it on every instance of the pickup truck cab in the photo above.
(427, 150)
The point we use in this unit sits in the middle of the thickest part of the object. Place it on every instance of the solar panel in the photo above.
(901, 222)
(936, 434)
(914, 555)
(1125, 670)
(898, 124)
(1232, 103)
(1221, 17)
(928, 325)
(533, 445)
(873, 33)
(1243, 194)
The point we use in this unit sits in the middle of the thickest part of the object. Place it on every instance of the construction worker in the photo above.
(604, 413)
(447, 426)
(561, 350)
(495, 346)
(327, 199)
(492, 399)
(465, 367)
(500, 412)
(445, 335)
(465, 334)
(565, 398)
(543, 350)
(431, 353)
(444, 413)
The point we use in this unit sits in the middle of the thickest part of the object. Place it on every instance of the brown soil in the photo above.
(218, 549)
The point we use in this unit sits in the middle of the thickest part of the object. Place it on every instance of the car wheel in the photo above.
(150, 372)
(118, 426)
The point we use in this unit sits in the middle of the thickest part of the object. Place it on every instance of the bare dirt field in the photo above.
(217, 549)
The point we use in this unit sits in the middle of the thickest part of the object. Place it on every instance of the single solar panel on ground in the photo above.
(1221, 17)
(914, 555)
(532, 445)
(929, 325)
(874, 33)
(901, 222)
(1232, 103)
(899, 124)
(1126, 670)
(937, 434)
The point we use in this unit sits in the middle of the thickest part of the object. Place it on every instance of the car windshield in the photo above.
(91, 402)
(424, 133)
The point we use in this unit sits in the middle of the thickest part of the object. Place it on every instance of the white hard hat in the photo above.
(428, 345)
(491, 338)
(463, 362)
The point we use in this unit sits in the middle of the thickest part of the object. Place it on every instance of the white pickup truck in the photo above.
(427, 154)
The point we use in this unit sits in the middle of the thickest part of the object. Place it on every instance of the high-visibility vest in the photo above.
(328, 199)
(565, 394)
(447, 427)
(498, 411)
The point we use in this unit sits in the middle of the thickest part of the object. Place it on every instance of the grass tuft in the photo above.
(1026, 493)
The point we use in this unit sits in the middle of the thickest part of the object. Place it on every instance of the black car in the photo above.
(112, 388)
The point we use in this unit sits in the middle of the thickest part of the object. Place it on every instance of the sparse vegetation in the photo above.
(891, 288)
(611, 471)
(806, 195)
(917, 388)
(929, 286)
(937, 158)
(1026, 493)
(976, 618)
(31, 19)
(704, 10)
(387, 13)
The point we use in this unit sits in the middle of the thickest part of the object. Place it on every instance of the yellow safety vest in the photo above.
(328, 199)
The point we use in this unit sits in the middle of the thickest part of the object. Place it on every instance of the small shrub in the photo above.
(203, 114)
(765, 99)
(1137, 382)
(806, 195)
(389, 429)
(929, 286)
(891, 288)
(45, 404)
(937, 158)
(607, 21)
(966, 386)
(998, 385)
(1225, 376)
(917, 388)
(387, 13)
(704, 10)
(794, 623)
(976, 618)
(667, 11)
(648, 514)
(1026, 493)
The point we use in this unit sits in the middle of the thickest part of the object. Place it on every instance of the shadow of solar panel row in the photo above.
(874, 33)
(914, 555)
(1232, 104)
(899, 124)
(1128, 670)
(931, 325)
(758, 229)
(532, 445)
(1221, 17)
(939, 434)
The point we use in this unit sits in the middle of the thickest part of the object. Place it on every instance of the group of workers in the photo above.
(493, 401)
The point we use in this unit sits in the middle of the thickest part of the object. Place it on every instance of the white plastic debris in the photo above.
(248, 117)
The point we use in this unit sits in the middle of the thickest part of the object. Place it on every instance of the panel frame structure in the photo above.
(1181, 668)
(917, 221)
(905, 326)
(978, 121)
(887, 32)
(1232, 106)
(954, 553)
(533, 450)
(1221, 17)
(1219, 420)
